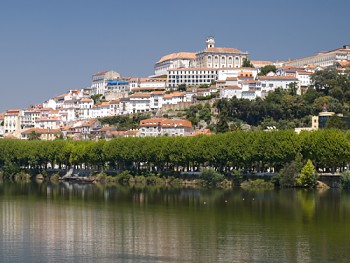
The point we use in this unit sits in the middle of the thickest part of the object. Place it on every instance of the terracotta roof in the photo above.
(261, 62)
(49, 119)
(104, 104)
(277, 78)
(157, 92)
(41, 131)
(179, 55)
(152, 80)
(124, 133)
(203, 89)
(222, 50)
(114, 101)
(100, 73)
(344, 63)
(175, 94)
(232, 87)
(163, 122)
(140, 95)
(194, 69)
(231, 78)
(304, 73)
(104, 129)
(12, 112)
(86, 100)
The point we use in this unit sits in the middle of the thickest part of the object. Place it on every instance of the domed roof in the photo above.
(179, 55)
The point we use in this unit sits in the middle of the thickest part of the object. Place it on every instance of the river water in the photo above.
(43, 222)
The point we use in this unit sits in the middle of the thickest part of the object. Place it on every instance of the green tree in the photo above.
(335, 122)
(247, 64)
(182, 87)
(34, 136)
(210, 176)
(307, 178)
(266, 69)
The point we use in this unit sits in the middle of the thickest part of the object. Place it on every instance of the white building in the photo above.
(304, 78)
(48, 123)
(270, 83)
(323, 59)
(140, 102)
(174, 98)
(12, 121)
(174, 60)
(216, 57)
(223, 74)
(153, 83)
(28, 118)
(163, 126)
(229, 92)
(100, 81)
(191, 76)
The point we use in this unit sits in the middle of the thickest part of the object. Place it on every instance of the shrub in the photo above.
(307, 178)
(257, 184)
(139, 179)
(54, 177)
(345, 180)
(287, 176)
(22, 176)
(237, 177)
(210, 176)
(124, 177)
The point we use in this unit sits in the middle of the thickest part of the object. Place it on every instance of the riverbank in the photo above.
(212, 179)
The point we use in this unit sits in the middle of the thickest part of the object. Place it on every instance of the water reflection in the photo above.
(70, 222)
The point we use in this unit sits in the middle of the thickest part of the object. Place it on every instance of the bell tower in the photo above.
(210, 42)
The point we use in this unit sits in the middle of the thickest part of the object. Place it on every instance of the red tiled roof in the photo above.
(179, 55)
(41, 131)
(163, 122)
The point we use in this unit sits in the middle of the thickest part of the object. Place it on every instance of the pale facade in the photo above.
(100, 81)
(153, 83)
(223, 74)
(216, 57)
(28, 118)
(229, 92)
(323, 59)
(271, 83)
(191, 76)
(174, 60)
(12, 121)
(48, 123)
(163, 126)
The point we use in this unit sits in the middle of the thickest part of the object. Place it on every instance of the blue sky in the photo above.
(48, 46)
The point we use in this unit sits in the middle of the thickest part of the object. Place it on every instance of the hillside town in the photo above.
(180, 80)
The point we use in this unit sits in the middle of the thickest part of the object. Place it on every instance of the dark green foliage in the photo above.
(335, 122)
(266, 69)
(287, 176)
(251, 151)
(125, 122)
(198, 112)
(257, 184)
(247, 64)
(182, 87)
(211, 177)
(345, 180)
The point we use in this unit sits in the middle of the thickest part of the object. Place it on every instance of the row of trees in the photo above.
(250, 151)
